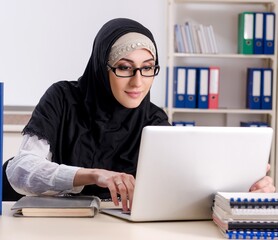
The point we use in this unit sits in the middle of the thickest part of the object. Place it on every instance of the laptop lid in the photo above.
(180, 169)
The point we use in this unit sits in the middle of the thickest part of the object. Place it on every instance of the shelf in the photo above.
(242, 56)
(219, 110)
(227, 1)
(223, 16)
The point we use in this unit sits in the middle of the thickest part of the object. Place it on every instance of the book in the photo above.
(245, 224)
(246, 215)
(251, 234)
(57, 206)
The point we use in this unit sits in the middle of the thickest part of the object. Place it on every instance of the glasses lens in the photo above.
(148, 71)
(124, 71)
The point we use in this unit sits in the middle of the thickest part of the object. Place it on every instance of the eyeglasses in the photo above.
(125, 71)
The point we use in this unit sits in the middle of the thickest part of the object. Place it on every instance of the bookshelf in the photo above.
(223, 16)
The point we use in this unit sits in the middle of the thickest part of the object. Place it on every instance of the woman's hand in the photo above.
(263, 185)
(117, 183)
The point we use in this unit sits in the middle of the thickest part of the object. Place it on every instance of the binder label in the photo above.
(270, 27)
(259, 25)
(267, 83)
(181, 81)
(213, 86)
(248, 27)
(191, 81)
(203, 83)
(256, 91)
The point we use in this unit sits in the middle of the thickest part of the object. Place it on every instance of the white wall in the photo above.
(44, 41)
(11, 144)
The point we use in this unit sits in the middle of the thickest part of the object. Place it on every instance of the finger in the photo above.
(123, 193)
(113, 192)
(129, 182)
(264, 183)
(130, 190)
(266, 189)
(268, 168)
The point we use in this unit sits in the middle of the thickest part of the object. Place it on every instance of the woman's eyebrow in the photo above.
(131, 61)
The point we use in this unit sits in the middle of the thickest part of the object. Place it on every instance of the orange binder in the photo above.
(213, 87)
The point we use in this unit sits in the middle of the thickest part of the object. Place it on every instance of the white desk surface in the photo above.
(100, 227)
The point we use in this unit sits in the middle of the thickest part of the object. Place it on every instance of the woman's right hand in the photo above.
(116, 182)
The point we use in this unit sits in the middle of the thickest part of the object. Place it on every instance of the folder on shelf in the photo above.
(179, 87)
(202, 87)
(266, 88)
(213, 87)
(245, 32)
(184, 38)
(179, 40)
(254, 88)
(1, 140)
(183, 123)
(189, 37)
(269, 32)
(254, 124)
(190, 87)
(258, 33)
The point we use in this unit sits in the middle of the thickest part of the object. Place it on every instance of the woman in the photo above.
(84, 135)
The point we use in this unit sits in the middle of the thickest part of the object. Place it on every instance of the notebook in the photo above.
(181, 168)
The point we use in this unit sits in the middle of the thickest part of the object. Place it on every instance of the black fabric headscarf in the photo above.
(83, 122)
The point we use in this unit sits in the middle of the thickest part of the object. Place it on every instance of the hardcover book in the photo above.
(57, 206)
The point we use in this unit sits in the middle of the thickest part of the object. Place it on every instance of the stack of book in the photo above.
(246, 215)
(195, 38)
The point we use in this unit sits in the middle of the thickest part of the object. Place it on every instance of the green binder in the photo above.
(245, 32)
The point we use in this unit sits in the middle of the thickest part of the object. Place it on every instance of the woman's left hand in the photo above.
(264, 185)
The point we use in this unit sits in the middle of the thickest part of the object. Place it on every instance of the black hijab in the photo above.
(84, 124)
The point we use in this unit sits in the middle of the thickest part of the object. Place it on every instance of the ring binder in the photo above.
(246, 215)
(251, 235)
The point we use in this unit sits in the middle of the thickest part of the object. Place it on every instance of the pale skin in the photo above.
(130, 92)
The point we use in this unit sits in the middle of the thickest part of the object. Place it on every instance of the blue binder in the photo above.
(253, 88)
(258, 33)
(269, 32)
(179, 87)
(184, 123)
(190, 87)
(1, 141)
(202, 87)
(266, 88)
(253, 124)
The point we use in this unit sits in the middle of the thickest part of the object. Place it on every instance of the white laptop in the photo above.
(180, 169)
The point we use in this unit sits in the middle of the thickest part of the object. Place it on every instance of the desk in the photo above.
(100, 227)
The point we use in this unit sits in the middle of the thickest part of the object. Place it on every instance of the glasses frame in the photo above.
(134, 71)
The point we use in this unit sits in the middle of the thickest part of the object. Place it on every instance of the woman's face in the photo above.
(130, 91)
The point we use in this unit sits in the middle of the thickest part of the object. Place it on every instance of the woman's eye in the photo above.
(124, 68)
(147, 68)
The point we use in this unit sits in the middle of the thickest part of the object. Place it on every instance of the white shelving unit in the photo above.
(223, 16)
